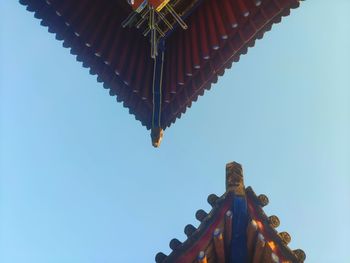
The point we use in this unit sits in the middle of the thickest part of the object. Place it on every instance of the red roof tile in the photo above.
(218, 33)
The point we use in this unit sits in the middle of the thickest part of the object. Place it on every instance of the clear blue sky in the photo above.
(81, 183)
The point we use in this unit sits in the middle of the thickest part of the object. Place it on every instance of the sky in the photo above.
(80, 181)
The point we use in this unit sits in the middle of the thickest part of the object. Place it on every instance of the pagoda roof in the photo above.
(236, 230)
(218, 33)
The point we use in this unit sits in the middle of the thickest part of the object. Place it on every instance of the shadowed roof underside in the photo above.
(218, 33)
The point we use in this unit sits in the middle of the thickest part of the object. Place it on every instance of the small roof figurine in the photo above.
(236, 230)
(158, 56)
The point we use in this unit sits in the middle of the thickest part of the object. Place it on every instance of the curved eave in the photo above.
(120, 57)
(260, 233)
(71, 33)
(270, 234)
(202, 236)
(243, 37)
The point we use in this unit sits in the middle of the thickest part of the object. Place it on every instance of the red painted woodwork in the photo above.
(218, 33)
(156, 3)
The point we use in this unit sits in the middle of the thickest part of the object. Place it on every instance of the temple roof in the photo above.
(218, 33)
(236, 230)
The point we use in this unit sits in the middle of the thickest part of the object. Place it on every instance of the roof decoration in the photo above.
(236, 230)
(158, 56)
(152, 11)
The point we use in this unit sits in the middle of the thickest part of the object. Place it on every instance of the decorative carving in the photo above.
(234, 178)
(151, 11)
(300, 254)
(274, 221)
(189, 230)
(285, 237)
(212, 199)
(157, 136)
(174, 244)
(160, 257)
(201, 215)
(263, 200)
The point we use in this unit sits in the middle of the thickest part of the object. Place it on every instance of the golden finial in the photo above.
(234, 178)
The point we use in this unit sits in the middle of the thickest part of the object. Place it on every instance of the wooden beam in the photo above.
(252, 234)
(202, 257)
(219, 246)
(228, 230)
(259, 249)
